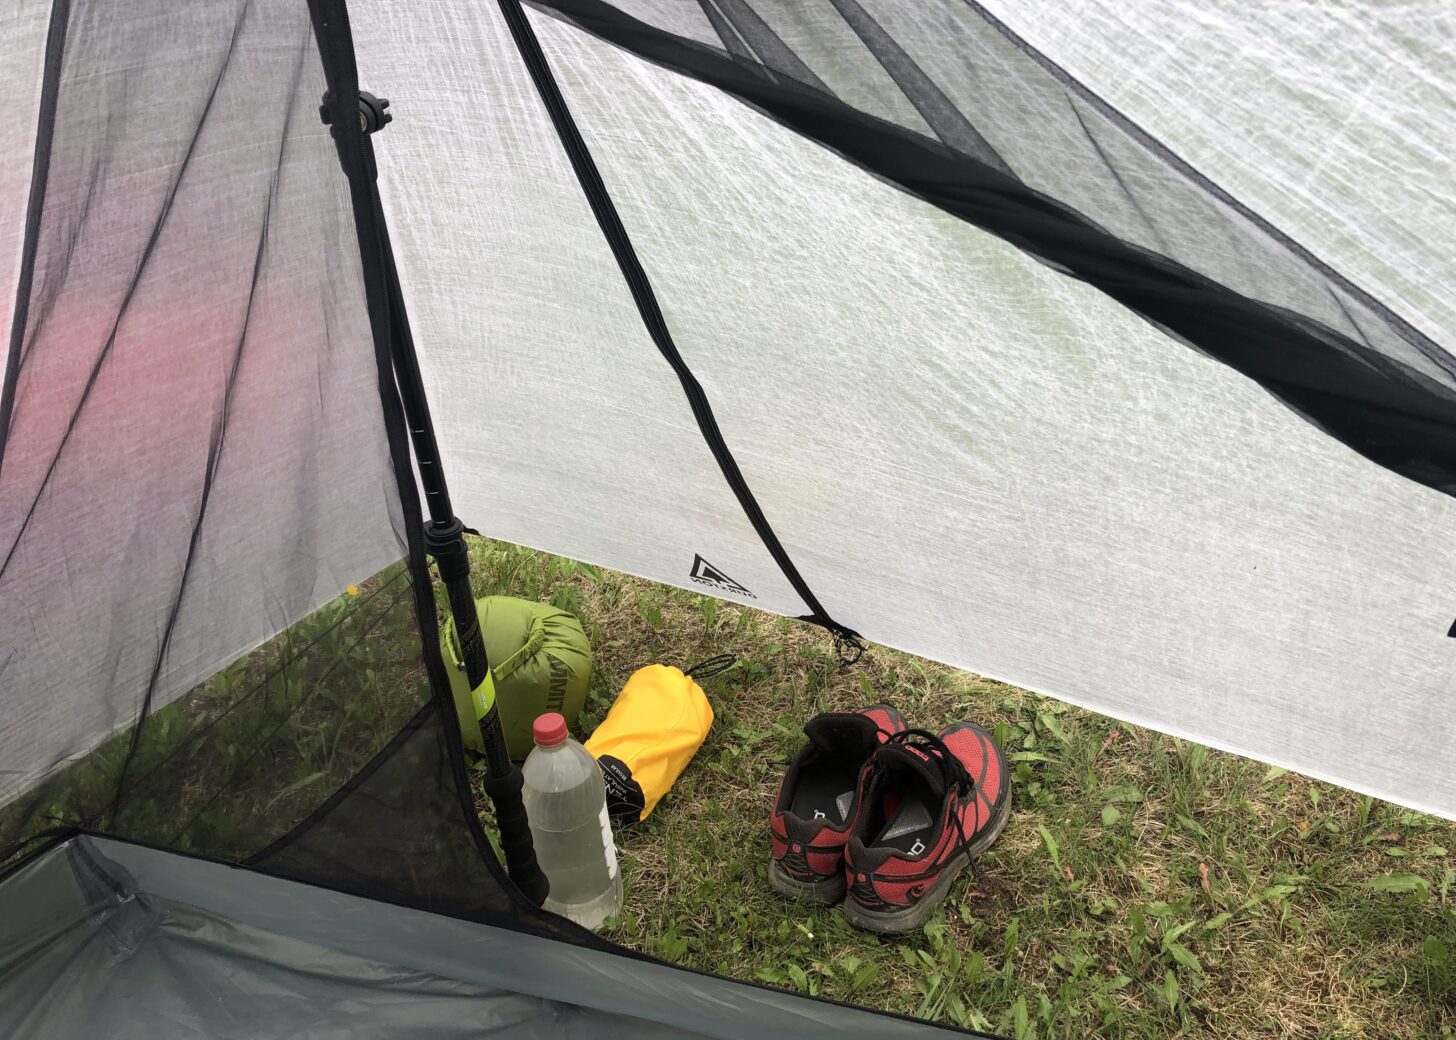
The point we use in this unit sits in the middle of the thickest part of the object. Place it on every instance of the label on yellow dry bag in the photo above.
(657, 724)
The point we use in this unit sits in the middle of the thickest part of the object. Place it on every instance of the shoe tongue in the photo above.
(903, 756)
(842, 733)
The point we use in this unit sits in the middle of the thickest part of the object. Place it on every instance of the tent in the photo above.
(1103, 348)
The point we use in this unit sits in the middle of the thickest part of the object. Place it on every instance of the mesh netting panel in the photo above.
(195, 454)
(232, 764)
(396, 830)
(209, 639)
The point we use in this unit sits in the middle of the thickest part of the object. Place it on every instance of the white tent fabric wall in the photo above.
(1023, 114)
(1336, 120)
(560, 425)
(967, 454)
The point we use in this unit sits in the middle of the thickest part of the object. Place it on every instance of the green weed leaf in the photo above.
(1399, 883)
(1051, 846)
(1183, 955)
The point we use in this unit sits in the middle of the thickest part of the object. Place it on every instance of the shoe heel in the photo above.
(820, 893)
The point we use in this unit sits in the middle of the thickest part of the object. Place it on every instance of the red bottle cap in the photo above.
(549, 729)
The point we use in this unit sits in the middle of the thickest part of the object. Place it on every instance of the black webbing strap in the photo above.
(615, 233)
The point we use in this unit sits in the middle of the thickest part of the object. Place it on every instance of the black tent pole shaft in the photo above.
(352, 116)
(445, 541)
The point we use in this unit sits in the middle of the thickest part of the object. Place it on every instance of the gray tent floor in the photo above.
(153, 968)
(106, 939)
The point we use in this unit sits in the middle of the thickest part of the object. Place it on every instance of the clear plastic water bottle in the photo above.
(566, 803)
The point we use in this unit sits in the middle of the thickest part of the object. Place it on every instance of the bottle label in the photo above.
(608, 844)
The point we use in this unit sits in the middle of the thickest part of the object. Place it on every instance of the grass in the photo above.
(1145, 887)
(237, 761)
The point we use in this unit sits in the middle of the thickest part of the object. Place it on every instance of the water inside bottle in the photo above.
(565, 802)
(576, 858)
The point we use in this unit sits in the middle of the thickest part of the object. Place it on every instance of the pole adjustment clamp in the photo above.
(373, 112)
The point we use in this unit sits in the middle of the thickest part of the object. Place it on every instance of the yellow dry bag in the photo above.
(657, 724)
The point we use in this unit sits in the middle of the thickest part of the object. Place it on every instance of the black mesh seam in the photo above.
(35, 206)
(613, 230)
(947, 121)
(765, 43)
(733, 43)
(1408, 332)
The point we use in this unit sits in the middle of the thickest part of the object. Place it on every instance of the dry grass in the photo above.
(1116, 934)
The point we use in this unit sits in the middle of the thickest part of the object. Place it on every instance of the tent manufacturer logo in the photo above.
(704, 573)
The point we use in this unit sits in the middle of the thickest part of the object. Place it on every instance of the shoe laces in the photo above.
(953, 773)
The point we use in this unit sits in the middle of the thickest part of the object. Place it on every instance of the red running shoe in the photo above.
(819, 798)
(930, 804)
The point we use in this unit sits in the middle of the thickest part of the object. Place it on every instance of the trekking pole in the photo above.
(445, 541)
(444, 535)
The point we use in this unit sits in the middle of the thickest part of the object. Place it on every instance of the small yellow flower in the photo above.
(352, 590)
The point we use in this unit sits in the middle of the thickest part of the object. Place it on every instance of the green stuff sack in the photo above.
(540, 660)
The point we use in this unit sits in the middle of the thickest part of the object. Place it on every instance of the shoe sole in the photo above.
(897, 922)
(820, 893)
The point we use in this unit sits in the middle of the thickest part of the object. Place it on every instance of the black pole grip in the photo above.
(446, 543)
(510, 813)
